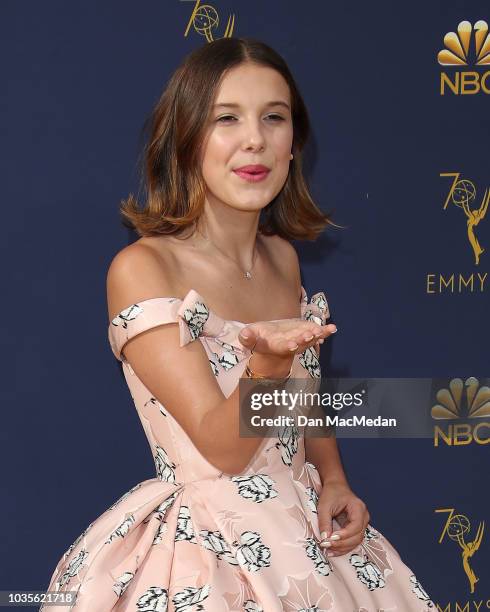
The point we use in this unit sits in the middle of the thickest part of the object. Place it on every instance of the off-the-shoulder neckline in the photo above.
(178, 299)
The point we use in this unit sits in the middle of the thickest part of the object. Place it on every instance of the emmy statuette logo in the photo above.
(457, 528)
(204, 19)
(463, 195)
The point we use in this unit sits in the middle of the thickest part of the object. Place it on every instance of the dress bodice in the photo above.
(176, 457)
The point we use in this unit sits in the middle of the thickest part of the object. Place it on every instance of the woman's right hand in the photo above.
(276, 342)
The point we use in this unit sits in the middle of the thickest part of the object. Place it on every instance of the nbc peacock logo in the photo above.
(462, 401)
(468, 46)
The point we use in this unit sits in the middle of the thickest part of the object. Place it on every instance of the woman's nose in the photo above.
(254, 136)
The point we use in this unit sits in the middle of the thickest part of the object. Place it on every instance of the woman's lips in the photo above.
(252, 177)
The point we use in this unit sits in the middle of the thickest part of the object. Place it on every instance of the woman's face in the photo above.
(250, 124)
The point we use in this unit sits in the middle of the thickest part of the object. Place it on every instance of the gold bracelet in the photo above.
(251, 374)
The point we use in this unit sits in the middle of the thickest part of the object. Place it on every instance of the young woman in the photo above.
(211, 293)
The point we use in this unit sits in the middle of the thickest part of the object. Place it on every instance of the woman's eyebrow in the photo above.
(235, 105)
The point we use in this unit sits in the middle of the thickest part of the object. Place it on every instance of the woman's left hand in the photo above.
(339, 501)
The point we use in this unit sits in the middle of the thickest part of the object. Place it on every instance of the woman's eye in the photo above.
(226, 118)
(276, 117)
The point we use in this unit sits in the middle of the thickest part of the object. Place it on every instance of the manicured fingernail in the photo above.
(323, 535)
(334, 331)
(321, 341)
(308, 338)
(293, 348)
(325, 544)
(335, 537)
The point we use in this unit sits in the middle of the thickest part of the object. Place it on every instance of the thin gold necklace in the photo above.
(247, 273)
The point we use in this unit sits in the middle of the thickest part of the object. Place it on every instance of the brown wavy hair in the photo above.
(171, 174)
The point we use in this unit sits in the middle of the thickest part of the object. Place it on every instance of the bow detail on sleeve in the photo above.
(220, 336)
(316, 309)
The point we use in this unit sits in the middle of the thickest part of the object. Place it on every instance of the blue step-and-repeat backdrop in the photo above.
(398, 96)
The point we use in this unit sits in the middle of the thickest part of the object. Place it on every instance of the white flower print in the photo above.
(73, 568)
(252, 554)
(214, 365)
(214, 541)
(419, 590)
(228, 357)
(122, 583)
(164, 466)
(309, 360)
(367, 572)
(162, 530)
(165, 505)
(309, 316)
(190, 598)
(288, 443)
(155, 599)
(196, 318)
(161, 510)
(258, 488)
(185, 530)
(370, 533)
(128, 314)
(227, 360)
(312, 499)
(320, 300)
(315, 553)
(252, 606)
(122, 530)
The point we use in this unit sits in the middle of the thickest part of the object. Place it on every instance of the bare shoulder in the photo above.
(138, 272)
(280, 248)
(285, 258)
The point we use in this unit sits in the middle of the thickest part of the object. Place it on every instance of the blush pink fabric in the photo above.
(194, 538)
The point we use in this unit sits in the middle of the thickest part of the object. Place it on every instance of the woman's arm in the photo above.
(180, 377)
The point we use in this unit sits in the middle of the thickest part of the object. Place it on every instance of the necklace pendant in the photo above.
(248, 275)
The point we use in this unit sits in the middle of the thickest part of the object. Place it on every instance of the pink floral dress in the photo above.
(194, 538)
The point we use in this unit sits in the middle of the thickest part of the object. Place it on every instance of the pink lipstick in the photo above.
(252, 173)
